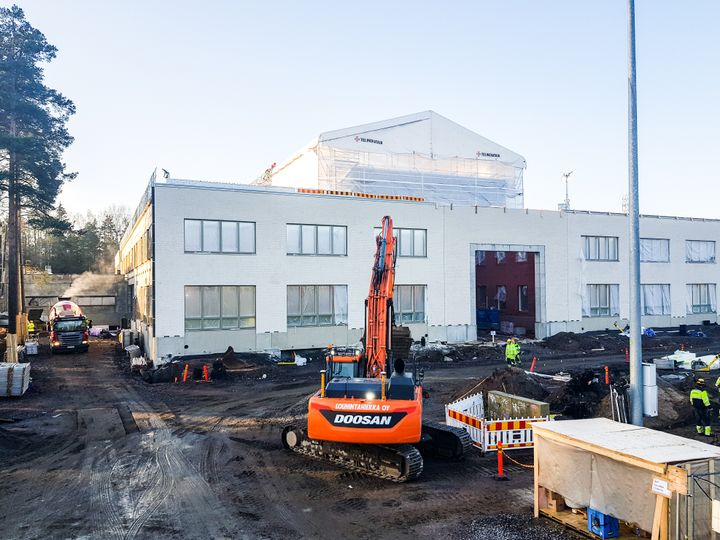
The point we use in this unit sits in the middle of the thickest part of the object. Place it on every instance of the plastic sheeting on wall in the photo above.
(655, 299)
(699, 251)
(654, 250)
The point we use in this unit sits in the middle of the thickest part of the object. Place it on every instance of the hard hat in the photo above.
(509, 340)
(700, 382)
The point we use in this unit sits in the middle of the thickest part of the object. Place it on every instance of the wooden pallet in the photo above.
(578, 523)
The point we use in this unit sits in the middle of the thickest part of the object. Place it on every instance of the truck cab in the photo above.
(69, 334)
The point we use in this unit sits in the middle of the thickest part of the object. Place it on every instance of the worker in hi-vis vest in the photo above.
(512, 352)
(31, 327)
(701, 405)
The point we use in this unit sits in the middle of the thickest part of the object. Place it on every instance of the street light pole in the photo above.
(636, 379)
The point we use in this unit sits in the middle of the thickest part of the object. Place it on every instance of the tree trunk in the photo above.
(12, 266)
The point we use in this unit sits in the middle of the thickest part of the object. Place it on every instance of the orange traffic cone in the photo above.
(185, 373)
(206, 375)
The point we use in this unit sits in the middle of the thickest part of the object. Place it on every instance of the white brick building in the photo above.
(211, 265)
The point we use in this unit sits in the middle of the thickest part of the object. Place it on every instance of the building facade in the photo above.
(213, 265)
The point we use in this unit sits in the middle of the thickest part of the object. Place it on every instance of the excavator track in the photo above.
(444, 441)
(397, 463)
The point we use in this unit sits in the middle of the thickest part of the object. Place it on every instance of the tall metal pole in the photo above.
(636, 380)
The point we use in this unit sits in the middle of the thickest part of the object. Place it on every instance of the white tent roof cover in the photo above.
(422, 154)
(640, 442)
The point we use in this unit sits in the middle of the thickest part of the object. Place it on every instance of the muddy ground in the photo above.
(93, 451)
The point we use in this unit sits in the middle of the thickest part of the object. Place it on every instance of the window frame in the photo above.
(601, 309)
(645, 306)
(711, 261)
(316, 238)
(653, 261)
(398, 241)
(587, 248)
(520, 298)
(415, 316)
(693, 305)
(221, 315)
(221, 222)
(316, 315)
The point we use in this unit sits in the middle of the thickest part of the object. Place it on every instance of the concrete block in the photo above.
(502, 405)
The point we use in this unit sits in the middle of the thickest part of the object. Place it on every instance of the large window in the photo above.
(317, 305)
(523, 298)
(95, 300)
(219, 307)
(211, 236)
(600, 248)
(411, 242)
(601, 301)
(500, 296)
(409, 303)
(699, 251)
(316, 239)
(654, 250)
(701, 298)
(655, 299)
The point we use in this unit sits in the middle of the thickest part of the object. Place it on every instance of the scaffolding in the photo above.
(484, 181)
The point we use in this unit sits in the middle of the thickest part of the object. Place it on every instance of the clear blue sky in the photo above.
(218, 90)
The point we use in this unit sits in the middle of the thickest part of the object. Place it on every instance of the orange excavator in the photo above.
(360, 418)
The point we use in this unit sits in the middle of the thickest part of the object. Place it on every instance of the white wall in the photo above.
(447, 271)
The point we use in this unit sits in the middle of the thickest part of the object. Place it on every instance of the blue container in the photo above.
(603, 525)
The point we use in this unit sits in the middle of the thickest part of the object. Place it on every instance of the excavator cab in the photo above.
(343, 363)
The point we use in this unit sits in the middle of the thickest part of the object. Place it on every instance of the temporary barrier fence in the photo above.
(468, 413)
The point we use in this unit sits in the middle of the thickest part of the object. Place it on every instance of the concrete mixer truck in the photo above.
(69, 328)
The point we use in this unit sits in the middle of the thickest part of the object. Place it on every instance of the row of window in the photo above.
(230, 307)
(215, 236)
(499, 300)
(501, 256)
(603, 300)
(605, 248)
(140, 252)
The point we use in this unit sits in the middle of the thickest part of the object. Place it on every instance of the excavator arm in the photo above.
(379, 304)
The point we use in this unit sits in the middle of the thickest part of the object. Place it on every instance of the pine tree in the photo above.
(33, 134)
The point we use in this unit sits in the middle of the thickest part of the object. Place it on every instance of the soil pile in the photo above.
(512, 381)
(572, 342)
(580, 397)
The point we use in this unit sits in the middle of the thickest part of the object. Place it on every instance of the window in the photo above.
(227, 307)
(701, 298)
(655, 299)
(206, 236)
(523, 301)
(96, 301)
(316, 239)
(601, 301)
(699, 251)
(600, 248)
(521, 256)
(500, 296)
(479, 257)
(409, 303)
(482, 300)
(316, 305)
(500, 257)
(654, 250)
(411, 242)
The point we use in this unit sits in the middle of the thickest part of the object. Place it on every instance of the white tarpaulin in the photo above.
(654, 250)
(655, 299)
(699, 251)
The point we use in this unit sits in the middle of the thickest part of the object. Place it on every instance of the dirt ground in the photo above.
(93, 451)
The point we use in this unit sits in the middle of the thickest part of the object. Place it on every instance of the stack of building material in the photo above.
(14, 379)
